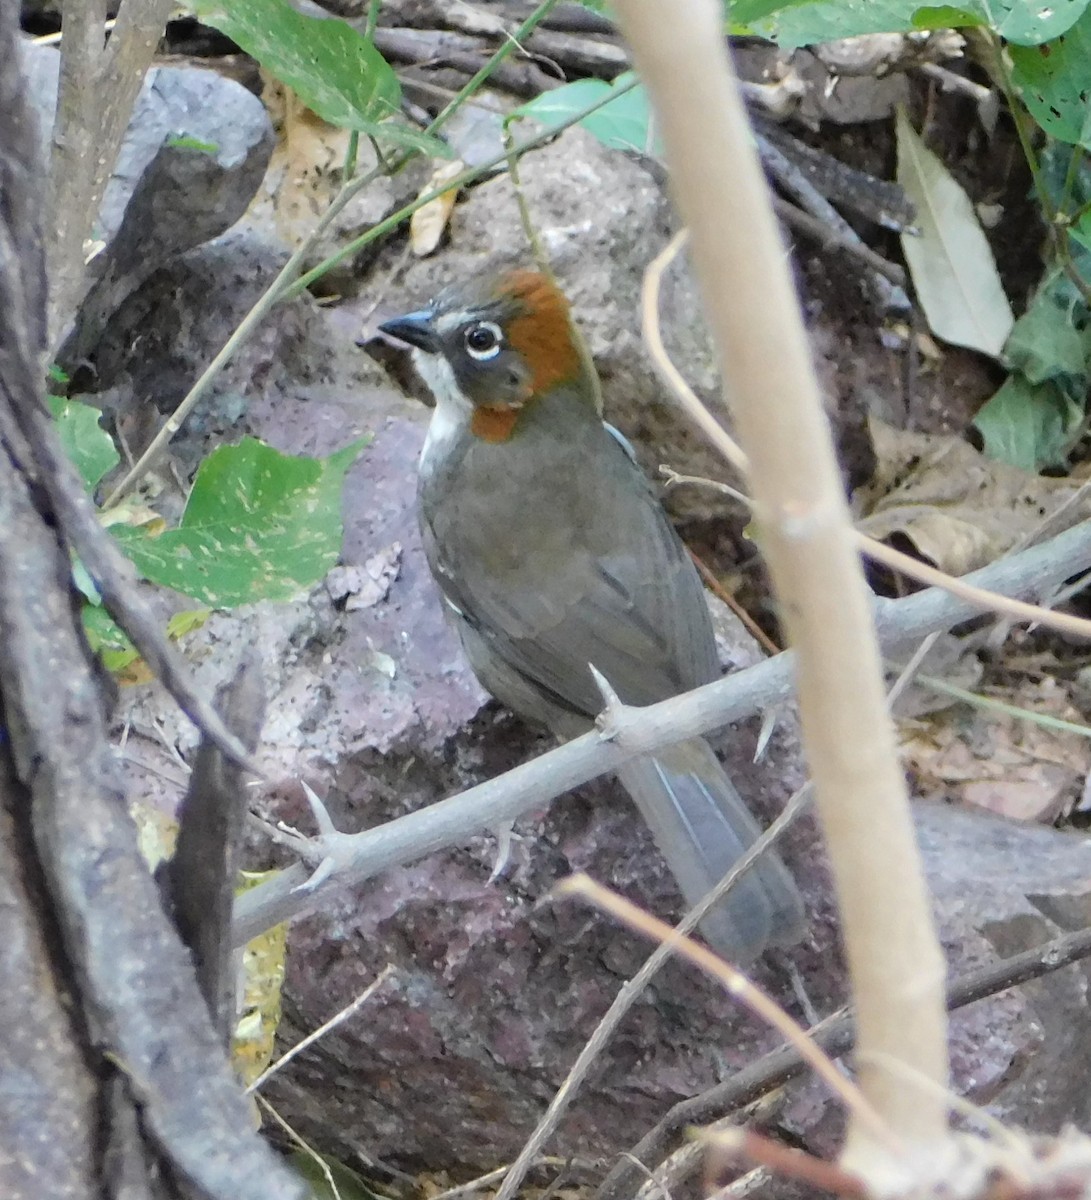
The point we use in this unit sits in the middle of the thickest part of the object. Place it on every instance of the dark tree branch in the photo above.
(199, 881)
(139, 1048)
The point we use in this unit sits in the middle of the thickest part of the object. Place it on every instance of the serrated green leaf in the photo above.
(953, 269)
(84, 440)
(259, 525)
(1027, 425)
(335, 72)
(1054, 82)
(623, 124)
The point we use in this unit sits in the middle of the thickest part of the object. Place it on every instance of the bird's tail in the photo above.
(702, 827)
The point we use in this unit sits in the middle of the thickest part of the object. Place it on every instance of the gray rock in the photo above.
(493, 991)
(194, 154)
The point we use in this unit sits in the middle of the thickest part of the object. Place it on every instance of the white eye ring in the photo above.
(485, 349)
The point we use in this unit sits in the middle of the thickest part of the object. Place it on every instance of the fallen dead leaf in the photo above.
(949, 258)
(960, 509)
(1006, 764)
(427, 224)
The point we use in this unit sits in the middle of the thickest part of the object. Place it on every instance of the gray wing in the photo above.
(638, 615)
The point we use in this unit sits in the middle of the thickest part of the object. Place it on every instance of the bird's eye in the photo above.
(483, 340)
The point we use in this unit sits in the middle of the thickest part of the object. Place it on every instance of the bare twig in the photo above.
(835, 1035)
(786, 1162)
(303, 1145)
(979, 598)
(628, 996)
(738, 987)
(338, 1018)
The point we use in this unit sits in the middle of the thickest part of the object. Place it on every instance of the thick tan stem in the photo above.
(741, 264)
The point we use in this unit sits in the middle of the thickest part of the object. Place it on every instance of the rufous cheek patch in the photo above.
(493, 424)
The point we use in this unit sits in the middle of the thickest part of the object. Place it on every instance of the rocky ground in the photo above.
(493, 993)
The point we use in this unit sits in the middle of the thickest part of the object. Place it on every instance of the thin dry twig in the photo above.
(736, 984)
(985, 601)
(339, 1018)
(920, 572)
(785, 1162)
(483, 1182)
(835, 1035)
(631, 992)
(303, 1145)
(717, 589)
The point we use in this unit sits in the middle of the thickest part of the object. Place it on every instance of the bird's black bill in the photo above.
(414, 328)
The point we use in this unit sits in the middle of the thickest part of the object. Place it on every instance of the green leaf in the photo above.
(1031, 22)
(84, 440)
(106, 640)
(623, 124)
(1055, 83)
(335, 72)
(953, 269)
(944, 16)
(1028, 426)
(185, 142)
(1052, 338)
(259, 525)
(1026, 22)
(349, 1185)
(746, 12)
(827, 20)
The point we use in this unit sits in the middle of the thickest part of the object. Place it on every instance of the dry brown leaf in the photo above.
(960, 509)
(305, 169)
(1006, 764)
(427, 224)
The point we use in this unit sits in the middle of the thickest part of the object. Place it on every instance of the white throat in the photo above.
(453, 410)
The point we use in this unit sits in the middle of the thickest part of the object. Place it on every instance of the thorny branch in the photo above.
(900, 623)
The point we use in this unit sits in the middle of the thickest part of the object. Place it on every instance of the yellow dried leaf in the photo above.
(427, 224)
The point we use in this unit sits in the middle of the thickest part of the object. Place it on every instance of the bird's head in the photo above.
(489, 347)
